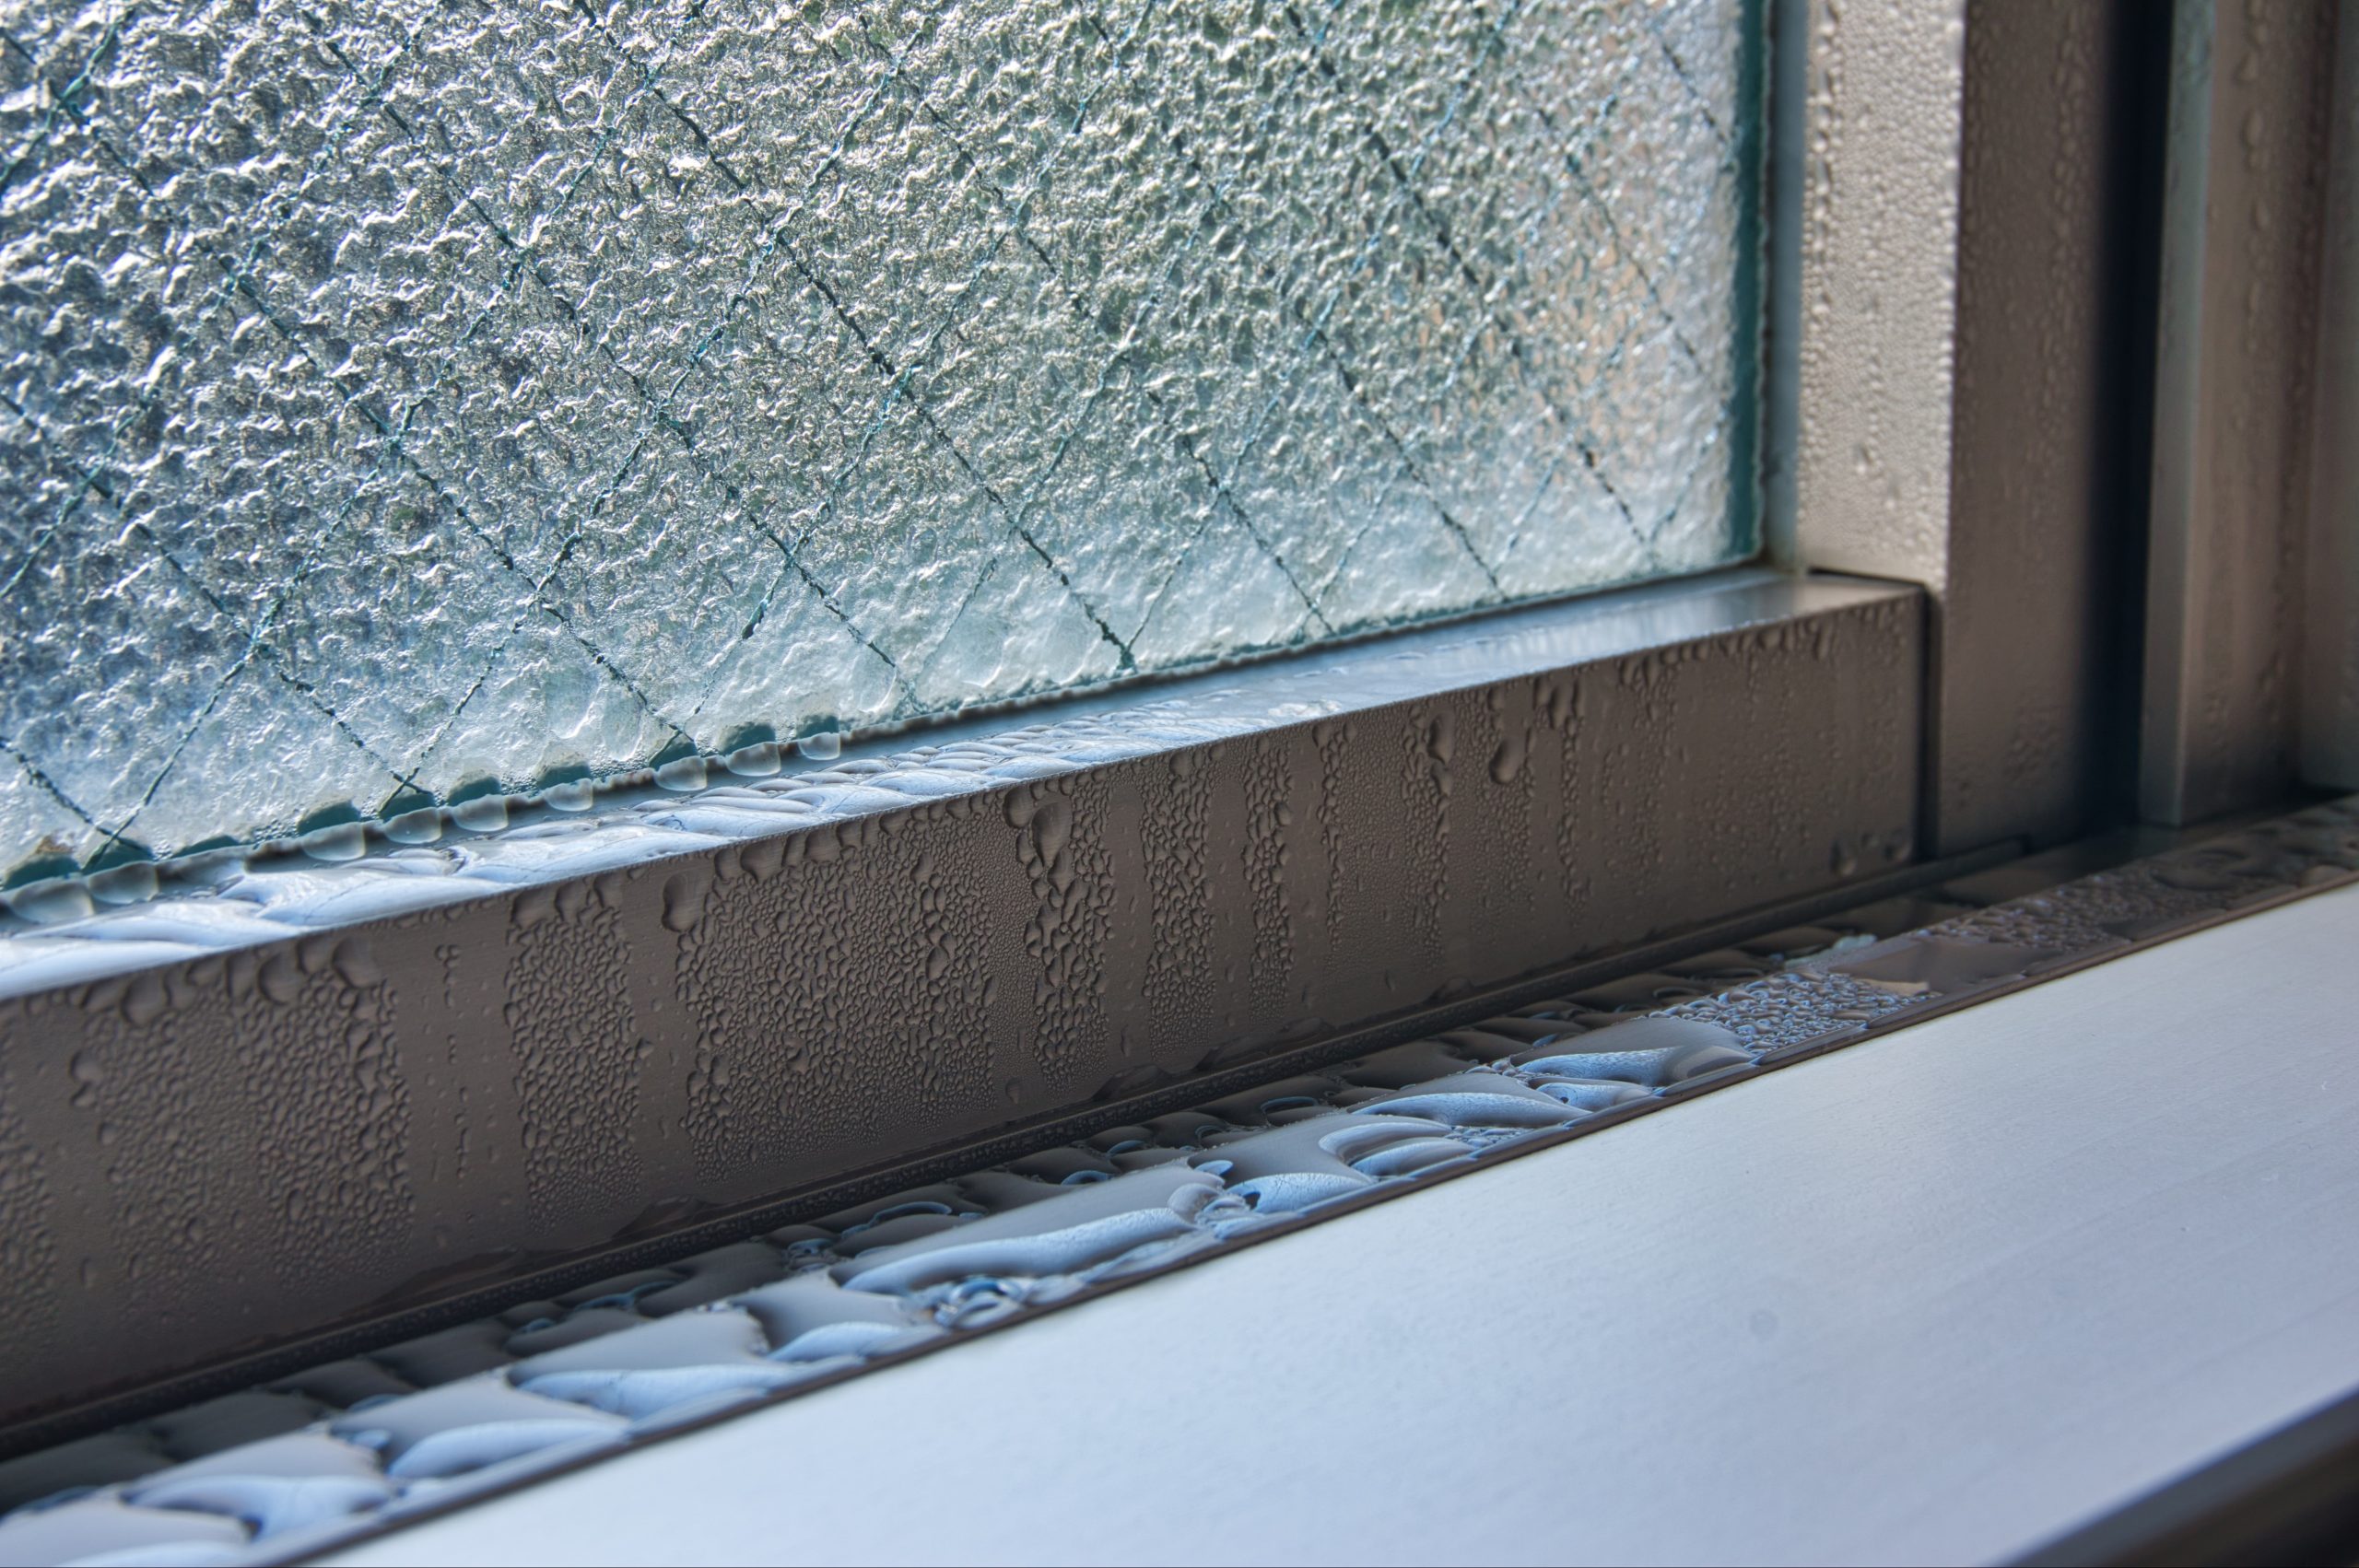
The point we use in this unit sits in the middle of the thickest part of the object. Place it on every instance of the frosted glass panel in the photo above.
(409, 399)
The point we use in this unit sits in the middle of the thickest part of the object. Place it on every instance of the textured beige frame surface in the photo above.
(1960, 206)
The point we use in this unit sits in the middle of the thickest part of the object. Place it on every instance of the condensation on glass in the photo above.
(407, 400)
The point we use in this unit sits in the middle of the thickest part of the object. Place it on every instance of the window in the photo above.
(420, 402)
(710, 989)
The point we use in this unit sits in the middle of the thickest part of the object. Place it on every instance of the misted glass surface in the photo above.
(403, 400)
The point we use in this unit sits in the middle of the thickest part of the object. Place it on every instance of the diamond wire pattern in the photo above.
(402, 396)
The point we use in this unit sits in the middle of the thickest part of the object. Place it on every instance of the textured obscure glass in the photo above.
(407, 397)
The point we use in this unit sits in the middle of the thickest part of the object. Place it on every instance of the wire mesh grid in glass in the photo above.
(404, 402)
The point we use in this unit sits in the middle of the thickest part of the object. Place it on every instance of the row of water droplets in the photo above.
(56, 900)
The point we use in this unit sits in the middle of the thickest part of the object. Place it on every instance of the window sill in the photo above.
(379, 1083)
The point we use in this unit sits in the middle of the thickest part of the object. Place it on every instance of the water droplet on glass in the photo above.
(484, 813)
(47, 903)
(134, 883)
(753, 761)
(415, 828)
(344, 841)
